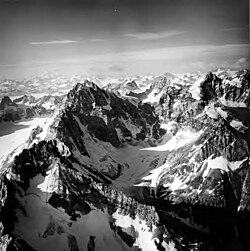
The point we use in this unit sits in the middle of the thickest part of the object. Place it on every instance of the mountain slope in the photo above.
(54, 181)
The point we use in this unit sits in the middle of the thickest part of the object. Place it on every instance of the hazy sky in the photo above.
(122, 36)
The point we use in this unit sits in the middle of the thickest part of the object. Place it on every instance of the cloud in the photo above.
(27, 64)
(9, 65)
(182, 54)
(55, 42)
(116, 68)
(235, 29)
(177, 53)
(96, 69)
(155, 60)
(100, 69)
(175, 59)
(96, 40)
(241, 63)
(154, 36)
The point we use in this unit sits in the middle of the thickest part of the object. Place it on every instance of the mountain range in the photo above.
(146, 163)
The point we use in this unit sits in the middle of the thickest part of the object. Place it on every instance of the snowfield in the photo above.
(52, 227)
(14, 135)
(179, 140)
(145, 239)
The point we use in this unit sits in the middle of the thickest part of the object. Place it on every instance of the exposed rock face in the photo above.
(229, 89)
(9, 110)
(105, 113)
(93, 117)
(69, 180)
(27, 107)
(67, 189)
(207, 171)
(5, 102)
(207, 161)
(218, 158)
(26, 99)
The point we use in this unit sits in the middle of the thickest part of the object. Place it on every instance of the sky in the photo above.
(122, 37)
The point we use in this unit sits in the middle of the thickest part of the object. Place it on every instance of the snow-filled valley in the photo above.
(13, 135)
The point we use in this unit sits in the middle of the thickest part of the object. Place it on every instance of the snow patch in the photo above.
(107, 107)
(32, 225)
(231, 103)
(237, 125)
(222, 164)
(211, 111)
(51, 181)
(14, 142)
(153, 97)
(222, 113)
(145, 239)
(179, 140)
(176, 184)
(155, 176)
(195, 89)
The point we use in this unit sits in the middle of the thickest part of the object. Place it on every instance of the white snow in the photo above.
(180, 182)
(153, 97)
(169, 127)
(15, 139)
(179, 140)
(238, 125)
(48, 105)
(176, 184)
(51, 181)
(222, 113)
(231, 103)
(222, 164)
(215, 112)
(176, 104)
(218, 163)
(211, 111)
(104, 157)
(123, 221)
(36, 95)
(155, 175)
(195, 89)
(145, 239)
(45, 127)
(38, 214)
(107, 107)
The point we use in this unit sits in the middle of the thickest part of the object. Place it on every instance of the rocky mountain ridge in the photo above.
(28, 106)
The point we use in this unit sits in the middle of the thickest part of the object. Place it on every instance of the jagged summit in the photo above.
(210, 77)
(85, 84)
(6, 102)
